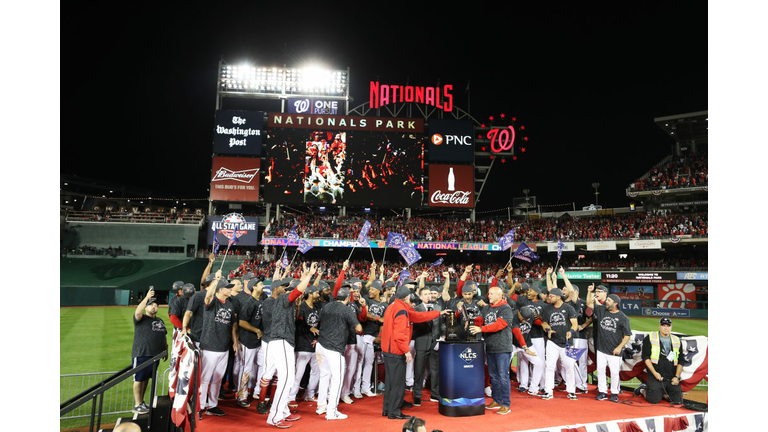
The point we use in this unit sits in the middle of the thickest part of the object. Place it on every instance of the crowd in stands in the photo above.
(521, 270)
(678, 172)
(616, 227)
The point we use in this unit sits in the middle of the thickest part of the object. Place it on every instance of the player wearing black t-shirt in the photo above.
(149, 340)
(559, 323)
(614, 332)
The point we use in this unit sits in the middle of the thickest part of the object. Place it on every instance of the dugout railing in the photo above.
(98, 392)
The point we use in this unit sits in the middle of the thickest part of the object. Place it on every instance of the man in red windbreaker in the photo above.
(395, 346)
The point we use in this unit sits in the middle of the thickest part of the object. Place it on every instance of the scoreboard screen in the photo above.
(377, 168)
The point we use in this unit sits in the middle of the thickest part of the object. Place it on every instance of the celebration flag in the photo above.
(409, 253)
(560, 247)
(506, 240)
(304, 246)
(395, 240)
(525, 253)
(437, 263)
(292, 235)
(363, 237)
(215, 242)
(233, 239)
(284, 263)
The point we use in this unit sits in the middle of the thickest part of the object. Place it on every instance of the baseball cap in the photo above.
(323, 285)
(389, 284)
(469, 286)
(312, 289)
(575, 288)
(601, 288)
(526, 286)
(556, 292)
(501, 284)
(534, 288)
(342, 293)
(189, 290)
(248, 276)
(402, 292)
(407, 281)
(281, 282)
(177, 286)
(250, 284)
(666, 321)
(526, 312)
(376, 284)
(151, 301)
(223, 283)
(293, 284)
(616, 299)
(210, 278)
(354, 280)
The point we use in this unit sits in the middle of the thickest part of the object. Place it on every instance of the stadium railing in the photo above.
(115, 388)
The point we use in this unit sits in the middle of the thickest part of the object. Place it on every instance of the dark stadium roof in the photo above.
(686, 128)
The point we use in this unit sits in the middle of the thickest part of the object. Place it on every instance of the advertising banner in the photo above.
(223, 226)
(313, 106)
(569, 246)
(235, 179)
(675, 295)
(581, 275)
(601, 245)
(238, 133)
(451, 141)
(645, 244)
(380, 244)
(451, 186)
(699, 276)
(639, 277)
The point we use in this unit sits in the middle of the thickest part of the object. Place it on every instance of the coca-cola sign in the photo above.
(458, 197)
(235, 179)
(451, 185)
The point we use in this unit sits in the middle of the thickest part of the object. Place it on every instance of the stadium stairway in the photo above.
(161, 417)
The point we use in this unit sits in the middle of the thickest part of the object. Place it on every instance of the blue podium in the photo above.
(462, 379)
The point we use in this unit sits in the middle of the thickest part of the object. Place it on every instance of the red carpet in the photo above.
(526, 413)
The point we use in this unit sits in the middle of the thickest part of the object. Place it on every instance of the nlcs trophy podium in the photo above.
(462, 374)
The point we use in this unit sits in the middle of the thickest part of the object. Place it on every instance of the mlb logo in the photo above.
(468, 355)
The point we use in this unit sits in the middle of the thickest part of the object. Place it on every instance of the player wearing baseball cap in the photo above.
(149, 340)
(559, 322)
(307, 329)
(614, 331)
(177, 305)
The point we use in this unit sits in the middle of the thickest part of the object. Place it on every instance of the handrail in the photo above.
(98, 390)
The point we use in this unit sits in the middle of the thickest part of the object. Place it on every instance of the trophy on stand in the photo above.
(451, 328)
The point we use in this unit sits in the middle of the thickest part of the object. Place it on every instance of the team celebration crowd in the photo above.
(256, 341)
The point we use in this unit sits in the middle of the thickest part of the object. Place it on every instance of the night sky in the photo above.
(586, 82)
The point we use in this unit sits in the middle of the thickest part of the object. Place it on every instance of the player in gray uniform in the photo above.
(249, 321)
(337, 319)
(614, 331)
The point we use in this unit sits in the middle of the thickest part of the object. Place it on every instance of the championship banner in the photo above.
(380, 244)
(601, 245)
(235, 179)
(645, 244)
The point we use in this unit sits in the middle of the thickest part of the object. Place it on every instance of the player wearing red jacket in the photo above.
(396, 336)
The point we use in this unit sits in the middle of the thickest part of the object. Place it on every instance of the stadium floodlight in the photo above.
(312, 80)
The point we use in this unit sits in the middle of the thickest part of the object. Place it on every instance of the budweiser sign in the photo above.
(451, 185)
(244, 176)
(235, 179)
(458, 197)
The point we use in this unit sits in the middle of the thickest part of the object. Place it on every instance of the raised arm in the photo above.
(139, 312)
(561, 272)
(446, 297)
(207, 271)
(372, 276)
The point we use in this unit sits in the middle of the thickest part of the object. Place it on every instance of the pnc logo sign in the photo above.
(465, 140)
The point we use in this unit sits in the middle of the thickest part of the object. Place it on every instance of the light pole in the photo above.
(596, 185)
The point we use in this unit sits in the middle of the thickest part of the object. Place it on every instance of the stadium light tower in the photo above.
(596, 185)
(261, 82)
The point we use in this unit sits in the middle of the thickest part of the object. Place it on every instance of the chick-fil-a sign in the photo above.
(501, 139)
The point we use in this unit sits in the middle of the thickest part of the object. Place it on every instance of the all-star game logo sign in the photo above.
(247, 230)
(504, 133)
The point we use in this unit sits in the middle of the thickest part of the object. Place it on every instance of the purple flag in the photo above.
(405, 274)
(363, 237)
(437, 263)
(409, 253)
(560, 247)
(285, 263)
(233, 239)
(292, 235)
(525, 253)
(215, 242)
(507, 239)
(395, 240)
(304, 246)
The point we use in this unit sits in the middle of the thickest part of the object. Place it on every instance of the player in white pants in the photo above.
(304, 358)
(282, 356)
(368, 360)
(614, 364)
(525, 363)
(332, 366)
(214, 367)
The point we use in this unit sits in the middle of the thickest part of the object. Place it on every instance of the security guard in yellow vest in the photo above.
(661, 353)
